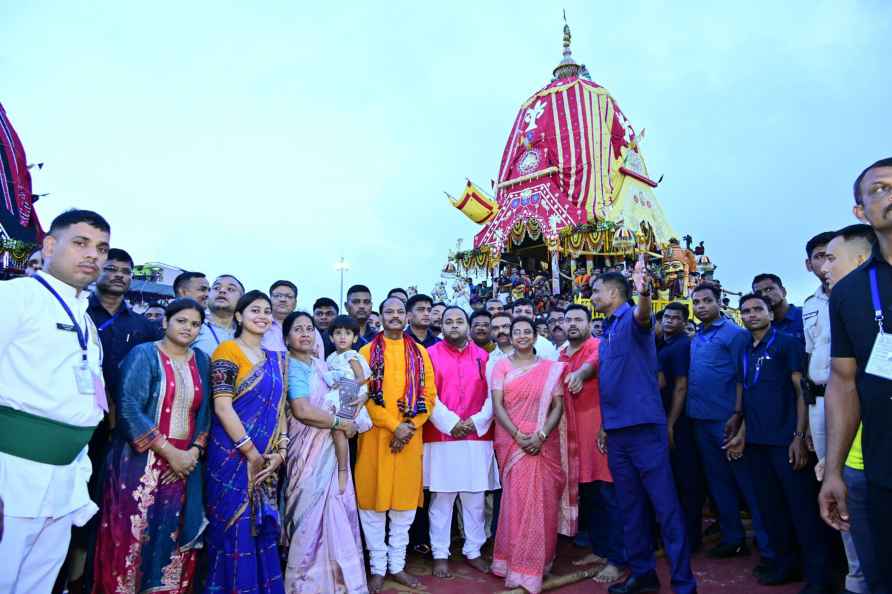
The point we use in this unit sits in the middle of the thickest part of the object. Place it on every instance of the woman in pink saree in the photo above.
(321, 529)
(538, 494)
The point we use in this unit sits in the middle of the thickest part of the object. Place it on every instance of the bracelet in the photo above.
(244, 440)
(335, 422)
(201, 450)
(799, 434)
(543, 436)
(282, 455)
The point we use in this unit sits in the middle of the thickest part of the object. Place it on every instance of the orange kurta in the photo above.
(385, 480)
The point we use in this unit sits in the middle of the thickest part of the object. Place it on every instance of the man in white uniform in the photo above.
(459, 436)
(51, 399)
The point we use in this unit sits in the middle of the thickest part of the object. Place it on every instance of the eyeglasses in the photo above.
(282, 296)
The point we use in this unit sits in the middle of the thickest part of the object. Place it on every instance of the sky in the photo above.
(270, 139)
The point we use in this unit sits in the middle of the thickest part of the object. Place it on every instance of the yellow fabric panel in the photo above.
(856, 459)
(385, 480)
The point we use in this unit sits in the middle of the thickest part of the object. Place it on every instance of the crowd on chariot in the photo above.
(229, 442)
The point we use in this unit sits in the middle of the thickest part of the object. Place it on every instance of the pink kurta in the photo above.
(586, 414)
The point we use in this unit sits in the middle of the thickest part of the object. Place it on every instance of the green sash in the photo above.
(39, 439)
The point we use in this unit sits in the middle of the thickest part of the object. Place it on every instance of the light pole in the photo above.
(342, 266)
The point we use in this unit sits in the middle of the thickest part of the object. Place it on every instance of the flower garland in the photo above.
(412, 403)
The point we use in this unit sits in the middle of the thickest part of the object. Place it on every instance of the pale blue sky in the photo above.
(267, 139)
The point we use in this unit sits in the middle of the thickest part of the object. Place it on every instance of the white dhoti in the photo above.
(392, 553)
(33, 550)
(472, 505)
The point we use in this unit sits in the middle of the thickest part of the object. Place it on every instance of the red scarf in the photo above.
(412, 402)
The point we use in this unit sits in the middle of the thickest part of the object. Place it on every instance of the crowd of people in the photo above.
(229, 442)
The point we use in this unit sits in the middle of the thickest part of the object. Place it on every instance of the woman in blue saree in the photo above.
(152, 509)
(247, 445)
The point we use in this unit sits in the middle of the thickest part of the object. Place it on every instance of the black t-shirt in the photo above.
(674, 355)
(853, 331)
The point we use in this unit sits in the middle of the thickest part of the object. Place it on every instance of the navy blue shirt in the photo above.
(712, 381)
(769, 396)
(630, 394)
(429, 338)
(118, 334)
(792, 324)
(674, 355)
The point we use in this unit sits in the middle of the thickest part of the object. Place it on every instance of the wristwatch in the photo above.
(799, 434)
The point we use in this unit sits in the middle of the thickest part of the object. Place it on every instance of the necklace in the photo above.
(257, 352)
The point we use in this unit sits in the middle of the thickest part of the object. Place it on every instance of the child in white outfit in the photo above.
(350, 373)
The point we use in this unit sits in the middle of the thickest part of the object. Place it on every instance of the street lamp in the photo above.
(342, 266)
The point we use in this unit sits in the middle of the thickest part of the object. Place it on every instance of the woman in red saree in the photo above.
(531, 446)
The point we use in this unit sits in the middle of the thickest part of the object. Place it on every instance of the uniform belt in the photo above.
(40, 439)
(819, 389)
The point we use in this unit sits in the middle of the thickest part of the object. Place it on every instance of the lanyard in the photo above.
(875, 297)
(109, 321)
(758, 370)
(211, 328)
(82, 337)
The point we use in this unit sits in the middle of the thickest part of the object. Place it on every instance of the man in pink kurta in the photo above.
(598, 503)
(458, 442)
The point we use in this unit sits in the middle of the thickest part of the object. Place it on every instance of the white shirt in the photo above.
(816, 321)
(37, 364)
(475, 458)
(545, 349)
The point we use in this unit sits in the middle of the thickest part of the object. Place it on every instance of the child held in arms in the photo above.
(350, 373)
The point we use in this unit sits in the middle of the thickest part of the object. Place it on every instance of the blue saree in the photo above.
(244, 529)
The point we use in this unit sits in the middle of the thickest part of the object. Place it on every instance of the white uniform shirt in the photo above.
(37, 367)
(816, 321)
(545, 349)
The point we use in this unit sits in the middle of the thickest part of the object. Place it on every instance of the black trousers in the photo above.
(786, 496)
(879, 510)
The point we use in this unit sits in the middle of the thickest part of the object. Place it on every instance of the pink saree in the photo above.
(538, 500)
(321, 524)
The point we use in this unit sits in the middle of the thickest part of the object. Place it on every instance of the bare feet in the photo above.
(376, 583)
(590, 559)
(342, 479)
(479, 564)
(610, 573)
(441, 568)
(405, 579)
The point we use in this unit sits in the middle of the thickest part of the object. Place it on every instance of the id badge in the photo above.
(84, 378)
(880, 361)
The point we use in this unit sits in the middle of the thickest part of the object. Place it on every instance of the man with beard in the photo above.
(120, 329)
(769, 426)
(219, 324)
(459, 436)
(860, 380)
(193, 285)
(419, 311)
(51, 398)
(787, 317)
(480, 332)
(582, 407)
(154, 313)
(402, 393)
(556, 331)
(359, 307)
(437, 310)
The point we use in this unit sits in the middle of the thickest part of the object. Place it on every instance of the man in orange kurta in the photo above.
(402, 394)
